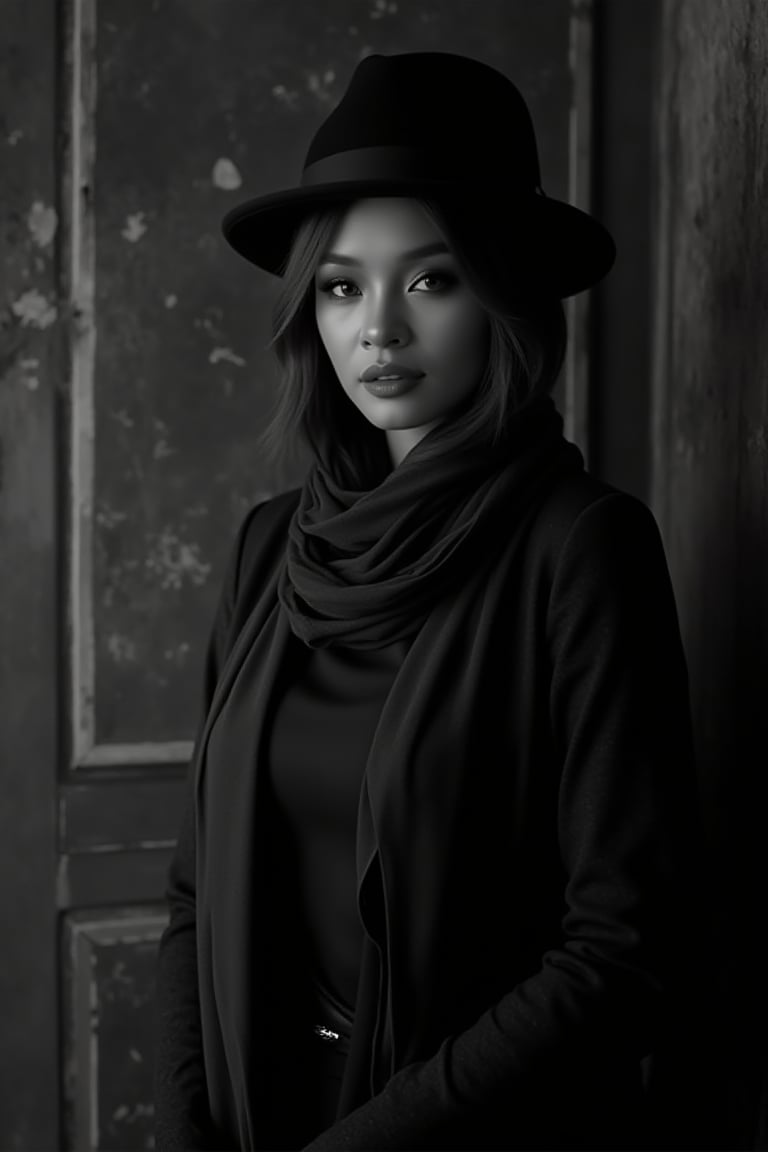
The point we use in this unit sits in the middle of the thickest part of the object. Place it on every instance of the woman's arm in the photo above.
(620, 718)
(182, 1117)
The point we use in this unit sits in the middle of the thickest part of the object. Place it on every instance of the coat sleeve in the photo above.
(620, 721)
(182, 1117)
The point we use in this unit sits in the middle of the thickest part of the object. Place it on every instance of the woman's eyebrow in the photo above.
(414, 254)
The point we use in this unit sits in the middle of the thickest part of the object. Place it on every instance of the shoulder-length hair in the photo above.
(526, 349)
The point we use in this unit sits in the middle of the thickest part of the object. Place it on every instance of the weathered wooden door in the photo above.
(134, 378)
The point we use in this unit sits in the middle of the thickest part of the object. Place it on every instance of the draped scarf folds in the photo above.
(364, 567)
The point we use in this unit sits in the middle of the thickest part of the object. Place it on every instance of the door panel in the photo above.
(108, 969)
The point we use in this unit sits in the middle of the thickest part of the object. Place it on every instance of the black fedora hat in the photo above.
(440, 125)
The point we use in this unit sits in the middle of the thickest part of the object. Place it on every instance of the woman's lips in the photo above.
(389, 372)
(394, 387)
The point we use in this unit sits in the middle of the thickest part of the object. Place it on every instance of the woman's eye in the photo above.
(434, 281)
(342, 285)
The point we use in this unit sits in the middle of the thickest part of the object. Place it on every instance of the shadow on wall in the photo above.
(715, 160)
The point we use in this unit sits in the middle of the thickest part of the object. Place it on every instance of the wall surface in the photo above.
(710, 489)
(28, 613)
(626, 48)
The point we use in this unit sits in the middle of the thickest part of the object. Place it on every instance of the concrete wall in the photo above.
(710, 486)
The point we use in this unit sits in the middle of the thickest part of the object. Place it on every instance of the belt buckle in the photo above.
(326, 1033)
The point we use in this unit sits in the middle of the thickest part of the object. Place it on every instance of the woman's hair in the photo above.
(526, 348)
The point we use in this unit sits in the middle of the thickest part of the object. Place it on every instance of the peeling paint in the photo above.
(382, 8)
(225, 175)
(116, 577)
(27, 366)
(179, 654)
(123, 418)
(284, 95)
(129, 1115)
(227, 354)
(118, 973)
(121, 648)
(196, 510)
(134, 227)
(162, 449)
(172, 561)
(318, 85)
(170, 300)
(211, 322)
(34, 310)
(42, 222)
(108, 517)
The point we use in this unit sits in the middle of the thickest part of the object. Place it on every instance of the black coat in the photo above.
(514, 976)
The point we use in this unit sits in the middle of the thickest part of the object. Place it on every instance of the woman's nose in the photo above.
(384, 328)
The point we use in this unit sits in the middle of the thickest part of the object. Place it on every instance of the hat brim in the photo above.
(560, 246)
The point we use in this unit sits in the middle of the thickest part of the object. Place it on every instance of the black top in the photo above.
(323, 727)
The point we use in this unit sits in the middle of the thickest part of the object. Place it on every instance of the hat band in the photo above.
(391, 163)
(384, 162)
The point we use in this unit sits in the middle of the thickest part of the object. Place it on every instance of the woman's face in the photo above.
(389, 292)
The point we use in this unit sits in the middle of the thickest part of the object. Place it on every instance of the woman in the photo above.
(427, 886)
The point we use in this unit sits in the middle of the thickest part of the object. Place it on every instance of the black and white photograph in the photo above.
(383, 575)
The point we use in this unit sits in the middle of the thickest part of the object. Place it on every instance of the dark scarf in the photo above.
(364, 568)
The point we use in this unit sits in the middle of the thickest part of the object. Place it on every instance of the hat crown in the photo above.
(449, 128)
(466, 116)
